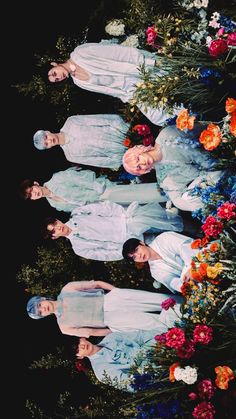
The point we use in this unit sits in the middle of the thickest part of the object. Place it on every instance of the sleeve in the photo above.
(76, 331)
(100, 120)
(104, 255)
(104, 209)
(116, 53)
(184, 201)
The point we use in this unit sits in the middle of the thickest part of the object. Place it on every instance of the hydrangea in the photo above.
(131, 41)
(115, 28)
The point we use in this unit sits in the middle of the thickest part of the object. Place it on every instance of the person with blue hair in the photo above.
(94, 140)
(112, 69)
(83, 309)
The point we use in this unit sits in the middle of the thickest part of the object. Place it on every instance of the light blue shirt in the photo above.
(117, 354)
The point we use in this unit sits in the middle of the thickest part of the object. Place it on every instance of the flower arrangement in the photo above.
(115, 27)
(196, 64)
(139, 134)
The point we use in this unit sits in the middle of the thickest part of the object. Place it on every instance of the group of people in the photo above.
(109, 221)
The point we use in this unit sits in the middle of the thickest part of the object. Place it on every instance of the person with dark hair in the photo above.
(111, 69)
(97, 231)
(169, 257)
(114, 356)
(72, 187)
(94, 140)
(82, 309)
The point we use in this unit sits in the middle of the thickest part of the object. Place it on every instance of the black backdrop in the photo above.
(34, 28)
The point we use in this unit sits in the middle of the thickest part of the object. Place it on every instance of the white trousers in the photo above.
(127, 310)
(140, 192)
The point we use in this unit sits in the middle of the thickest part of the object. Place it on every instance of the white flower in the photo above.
(131, 41)
(208, 41)
(200, 3)
(215, 16)
(187, 374)
(115, 28)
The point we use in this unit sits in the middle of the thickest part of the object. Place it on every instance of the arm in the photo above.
(102, 254)
(85, 332)
(184, 202)
(104, 285)
(100, 120)
(86, 285)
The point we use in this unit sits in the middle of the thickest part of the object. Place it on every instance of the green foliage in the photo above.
(56, 360)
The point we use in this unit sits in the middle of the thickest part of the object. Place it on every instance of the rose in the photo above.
(217, 48)
(231, 40)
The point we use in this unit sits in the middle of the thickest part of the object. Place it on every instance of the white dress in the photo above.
(95, 140)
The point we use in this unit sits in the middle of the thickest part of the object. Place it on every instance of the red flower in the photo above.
(169, 302)
(149, 140)
(161, 338)
(80, 366)
(231, 40)
(212, 227)
(187, 350)
(204, 410)
(202, 334)
(206, 389)
(192, 396)
(126, 142)
(217, 48)
(175, 338)
(142, 129)
(227, 211)
(151, 33)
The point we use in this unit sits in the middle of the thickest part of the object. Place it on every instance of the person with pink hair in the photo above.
(179, 163)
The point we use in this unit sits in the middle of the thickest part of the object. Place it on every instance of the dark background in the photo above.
(34, 28)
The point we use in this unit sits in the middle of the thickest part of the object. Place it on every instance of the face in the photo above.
(141, 253)
(45, 308)
(142, 164)
(50, 139)
(85, 348)
(58, 229)
(57, 73)
(34, 192)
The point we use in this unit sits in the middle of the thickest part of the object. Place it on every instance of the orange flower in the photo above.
(171, 371)
(230, 105)
(196, 244)
(184, 121)
(210, 137)
(204, 241)
(127, 142)
(195, 275)
(214, 247)
(203, 269)
(232, 125)
(223, 375)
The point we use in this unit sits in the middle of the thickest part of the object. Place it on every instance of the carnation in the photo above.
(202, 334)
(204, 410)
(169, 302)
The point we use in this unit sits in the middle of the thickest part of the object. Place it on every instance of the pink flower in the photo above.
(217, 48)
(175, 338)
(227, 211)
(151, 33)
(169, 302)
(80, 366)
(204, 410)
(220, 32)
(206, 389)
(212, 227)
(187, 350)
(202, 334)
(192, 396)
(231, 40)
(161, 338)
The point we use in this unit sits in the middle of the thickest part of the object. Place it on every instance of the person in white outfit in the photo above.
(97, 231)
(94, 140)
(112, 70)
(179, 165)
(169, 257)
(82, 309)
